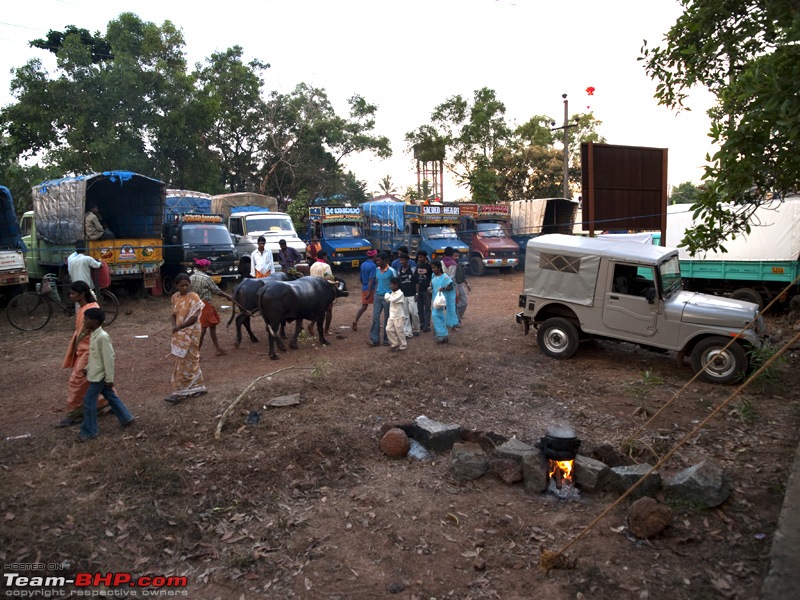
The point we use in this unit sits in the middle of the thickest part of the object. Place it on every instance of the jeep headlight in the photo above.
(759, 326)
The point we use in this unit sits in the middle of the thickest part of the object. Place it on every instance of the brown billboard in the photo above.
(624, 188)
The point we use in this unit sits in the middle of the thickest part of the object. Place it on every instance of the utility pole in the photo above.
(566, 128)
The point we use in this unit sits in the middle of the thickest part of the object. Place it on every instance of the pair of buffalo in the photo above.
(280, 301)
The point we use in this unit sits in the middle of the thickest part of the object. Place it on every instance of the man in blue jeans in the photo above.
(383, 274)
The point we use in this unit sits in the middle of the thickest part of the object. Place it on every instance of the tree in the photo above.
(746, 53)
(685, 193)
(386, 186)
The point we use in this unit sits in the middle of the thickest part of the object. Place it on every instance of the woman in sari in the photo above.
(77, 356)
(187, 379)
(443, 318)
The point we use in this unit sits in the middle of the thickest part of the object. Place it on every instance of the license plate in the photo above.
(354, 263)
(505, 261)
(216, 278)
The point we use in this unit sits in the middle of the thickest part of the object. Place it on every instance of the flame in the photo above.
(561, 471)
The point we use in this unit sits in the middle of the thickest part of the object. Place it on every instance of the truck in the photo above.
(190, 232)
(757, 266)
(131, 205)
(539, 216)
(338, 230)
(13, 274)
(485, 228)
(250, 216)
(430, 227)
(578, 288)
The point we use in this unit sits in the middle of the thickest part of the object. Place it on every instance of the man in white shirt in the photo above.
(261, 264)
(80, 264)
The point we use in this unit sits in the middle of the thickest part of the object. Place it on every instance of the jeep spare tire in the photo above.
(558, 338)
(717, 364)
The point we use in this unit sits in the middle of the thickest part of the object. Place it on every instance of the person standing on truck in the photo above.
(80, 264)
(287, 257)
(93, 228)
(261, 264)
(204, 286)
(321, 268)
(367, 273)
(424, 275)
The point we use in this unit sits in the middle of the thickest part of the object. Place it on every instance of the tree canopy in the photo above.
(747, 53)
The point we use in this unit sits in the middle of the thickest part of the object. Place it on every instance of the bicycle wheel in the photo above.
(110, 305)
(29, 311)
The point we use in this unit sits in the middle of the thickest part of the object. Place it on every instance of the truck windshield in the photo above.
(206, 234)
(670, 273)
(438, 233)
(491, 230)
(268, 224)
(341, 230)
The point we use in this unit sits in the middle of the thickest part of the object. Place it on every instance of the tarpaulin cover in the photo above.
(774, 235)
(543, 215)
(186, 201)
(131, 205)
(10, 235)
(384, 211)
(225, 204)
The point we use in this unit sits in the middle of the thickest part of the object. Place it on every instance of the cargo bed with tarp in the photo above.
(12, 248)
(225, 204)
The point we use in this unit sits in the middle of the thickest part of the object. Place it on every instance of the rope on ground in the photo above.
(551, 559)
(696, 375)
(218, 432)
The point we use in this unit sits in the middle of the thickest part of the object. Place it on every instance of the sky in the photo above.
(407, 57)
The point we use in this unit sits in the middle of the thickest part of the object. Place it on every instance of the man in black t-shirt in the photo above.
(424, 275)
(409, 284)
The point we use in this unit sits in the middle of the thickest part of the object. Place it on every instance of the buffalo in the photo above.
(245, 297)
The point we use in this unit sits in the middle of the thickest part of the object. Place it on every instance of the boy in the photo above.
(100, 374)
(397, 315)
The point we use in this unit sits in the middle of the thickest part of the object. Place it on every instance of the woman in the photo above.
(77, 356)
(187, 379)
(443, 318)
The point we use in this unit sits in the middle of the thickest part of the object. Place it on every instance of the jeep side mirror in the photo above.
(650, 294)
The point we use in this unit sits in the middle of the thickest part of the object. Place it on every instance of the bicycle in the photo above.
(30, 311)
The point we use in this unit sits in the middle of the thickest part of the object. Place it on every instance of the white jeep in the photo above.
(579, 288)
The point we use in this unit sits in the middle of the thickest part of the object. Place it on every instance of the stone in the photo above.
(507, 469)
(435, 436)
(620, 479)
(289, 400)
(468, 461)
(535, 471)
(395, 443)
(647, 517)
(589, 474)
(515, 449)
(704, 485)
(606, 453)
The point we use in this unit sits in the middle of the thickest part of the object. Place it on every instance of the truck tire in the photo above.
(716, 365)
(558, 338)
(748, 295)
(168, 284)
(476, 266)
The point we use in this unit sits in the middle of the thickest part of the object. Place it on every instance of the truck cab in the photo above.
(247, 227)
(485, 229)
(578, 288)
(338, 229)
(437, 228)
(13, 274)
(191, 236)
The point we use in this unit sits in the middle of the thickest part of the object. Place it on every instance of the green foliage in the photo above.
(298, 210)
(684, 193)
(386, 186)
(744, 410)
(770, 379)
(746, 53)
(99, 47)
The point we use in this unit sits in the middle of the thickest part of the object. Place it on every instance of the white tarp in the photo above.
(558, 272)
(642, 238)
(774, 235)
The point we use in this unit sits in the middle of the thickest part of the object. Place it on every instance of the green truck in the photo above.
(757, 267)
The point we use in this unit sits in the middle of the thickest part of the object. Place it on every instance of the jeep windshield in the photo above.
(670, 273)
(216, 235)
(491, 230)
(341, 230)
(438, 233)
(258, 224)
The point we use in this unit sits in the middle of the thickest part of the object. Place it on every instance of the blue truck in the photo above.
(338, 231)
(429, 227)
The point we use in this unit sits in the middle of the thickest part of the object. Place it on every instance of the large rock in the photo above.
(507, 469)
(621, 479)
(535, 471)
(515, 449)
(435, 436)
(589, 474)
(395, 443)
(647, 517)
(704, 485)
(468, 461)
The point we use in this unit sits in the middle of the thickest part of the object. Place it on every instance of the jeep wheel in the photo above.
(558, 338)
(717, 365)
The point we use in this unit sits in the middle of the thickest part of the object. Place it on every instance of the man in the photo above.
(204, 286)
(449, 264)
(367, 273)
(80, 264)
(321, 268)
(261, 264)
(93, 228)
(462, 286)
(396, 261)
(287, 257)
(409, 283)
(383, 274)
(424, 275)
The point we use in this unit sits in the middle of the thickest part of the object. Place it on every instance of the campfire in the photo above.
(560, 446)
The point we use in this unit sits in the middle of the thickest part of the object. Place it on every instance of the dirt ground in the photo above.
(304, 504)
